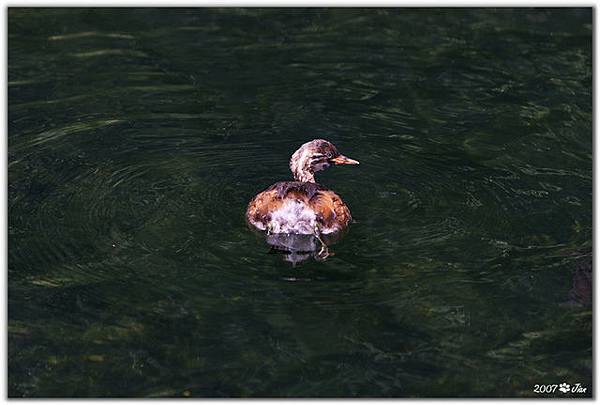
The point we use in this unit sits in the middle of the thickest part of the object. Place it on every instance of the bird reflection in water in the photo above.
(296, 248)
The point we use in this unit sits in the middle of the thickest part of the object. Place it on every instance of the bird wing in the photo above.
(332, 211)
(259, 209)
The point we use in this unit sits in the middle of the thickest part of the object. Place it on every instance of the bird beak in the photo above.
(343, 160)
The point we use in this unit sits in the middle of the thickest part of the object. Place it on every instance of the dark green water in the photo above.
(137, 137)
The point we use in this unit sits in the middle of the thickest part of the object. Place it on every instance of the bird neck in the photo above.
(304, 176)
(300, 167)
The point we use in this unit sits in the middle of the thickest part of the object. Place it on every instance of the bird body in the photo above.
(302, 206)
(298, 207)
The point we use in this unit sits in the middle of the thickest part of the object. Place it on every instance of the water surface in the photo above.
(137, 137)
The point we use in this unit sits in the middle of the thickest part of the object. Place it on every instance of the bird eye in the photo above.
(329, 155)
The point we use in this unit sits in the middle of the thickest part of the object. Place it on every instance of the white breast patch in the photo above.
(293, 217)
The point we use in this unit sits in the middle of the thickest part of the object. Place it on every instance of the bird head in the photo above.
(315, 156)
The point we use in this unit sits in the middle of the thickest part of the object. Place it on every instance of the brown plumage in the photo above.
(302, 206)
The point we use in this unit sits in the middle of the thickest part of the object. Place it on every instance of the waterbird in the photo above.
(303, 207)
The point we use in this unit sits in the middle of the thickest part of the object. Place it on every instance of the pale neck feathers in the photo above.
(300, 165)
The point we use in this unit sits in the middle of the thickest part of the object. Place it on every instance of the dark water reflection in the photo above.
(137, 137)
